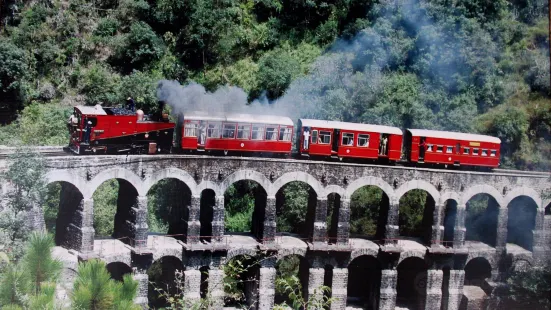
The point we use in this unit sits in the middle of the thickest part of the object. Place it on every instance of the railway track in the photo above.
(57, 151)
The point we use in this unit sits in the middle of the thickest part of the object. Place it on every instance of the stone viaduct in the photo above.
(377, 272)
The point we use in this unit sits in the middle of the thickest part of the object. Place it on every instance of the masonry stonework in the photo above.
(135, 247)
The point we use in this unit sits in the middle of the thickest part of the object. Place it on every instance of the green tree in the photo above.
(12, 65)
(276, 70)
(95, 290)
(39, 262)
(529, 288)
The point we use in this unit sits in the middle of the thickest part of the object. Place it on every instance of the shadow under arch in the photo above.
(288, 269)
(521, 221)
(364, 282)
(369, 206)
(416, 215)
(296, 204)
(245, 207)
(118, 270)
(166, 274)
(481, 217)
(411, 286)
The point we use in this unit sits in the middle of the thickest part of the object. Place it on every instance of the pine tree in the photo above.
(40, 264)
(14, 285)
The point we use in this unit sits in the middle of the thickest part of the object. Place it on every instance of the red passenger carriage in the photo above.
(112, 130)
(241, 133)
(349, 140)
(452, 148)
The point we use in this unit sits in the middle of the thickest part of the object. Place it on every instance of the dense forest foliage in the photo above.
(465, 65)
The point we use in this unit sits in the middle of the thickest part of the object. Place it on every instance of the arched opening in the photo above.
(241, 282)
(368, 213)
(481, 219)
(61, 209)
(245, 203)
(477, 271)
(291, 271)
(445, 288)
(450, 216)
(332, 222)
(328, 280)
(168, 202)
(521, 222)
(204, 289)
(206, 213)
(548, 209)
(105, 207)
(296, 208)
(411, 287)
(117, 270)
(165, 276)
(364, 282)
(416, 215)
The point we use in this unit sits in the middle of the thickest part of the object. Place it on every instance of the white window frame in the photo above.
(349, 136)
(475, 151)
(322, 134)
(466, 151)
(449, 149)
(285, 133)
(439, 149)
(314, 137)
(243, 132)
(484, 152)
(271, 129)
(493, 153)
(228, 127)
(258, 131)
(430, 148)
(363, 136)
(190, 130)
(213, 132)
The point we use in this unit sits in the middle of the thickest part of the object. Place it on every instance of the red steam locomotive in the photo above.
(112, 130)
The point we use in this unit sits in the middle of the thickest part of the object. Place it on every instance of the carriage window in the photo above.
(449, 149)
(325, 137)
(493, 153)
(439, 149)
(484, 152)
(213, 130)
(430, 148)
(285, 134)
(363, 140)
(271, 133)
(243, 131)
(466, 150)
(258, 132)
(190, 130)
(475, 151)
(314, 137)
(229, 131)
(93, 120)
(348, 139)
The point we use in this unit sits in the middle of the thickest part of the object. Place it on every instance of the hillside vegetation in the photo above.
(465, 65)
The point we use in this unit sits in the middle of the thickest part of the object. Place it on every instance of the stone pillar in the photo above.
(459, 230)
(455, 289)
(315, 282)
(218, 219)
(320, 224)
(339, 288)
(391, 228)
(193, 222)
(216, 288)
(141, 229)
(437, 229)
(192, 287)
(270, 220)
(539, 238)
(501, 236)
(266, 288)
(389, 279)
(143, 282)
(343, 228)
(433, 300)
(80, 231)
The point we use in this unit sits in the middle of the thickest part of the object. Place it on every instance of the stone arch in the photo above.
(171, 173)
(53, 176)
(362, 252)
(244, 175)
(369, 181)
(482, 189)
(115, 173)
(522, 264)
(209, 185)
(477, 271)
(411, 254)
(118, 270)
(232, 253)
(418, 184)
(297, 176)
(335, 189)
(444, 197)
(488, 257)
(524, 191)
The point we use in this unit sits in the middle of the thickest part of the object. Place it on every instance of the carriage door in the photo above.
(383, 145)
(422, 148)
(336, 139)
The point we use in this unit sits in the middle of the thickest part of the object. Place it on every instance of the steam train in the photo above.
(112, 130)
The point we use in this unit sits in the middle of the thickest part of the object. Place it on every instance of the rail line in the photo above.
(58, 151)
